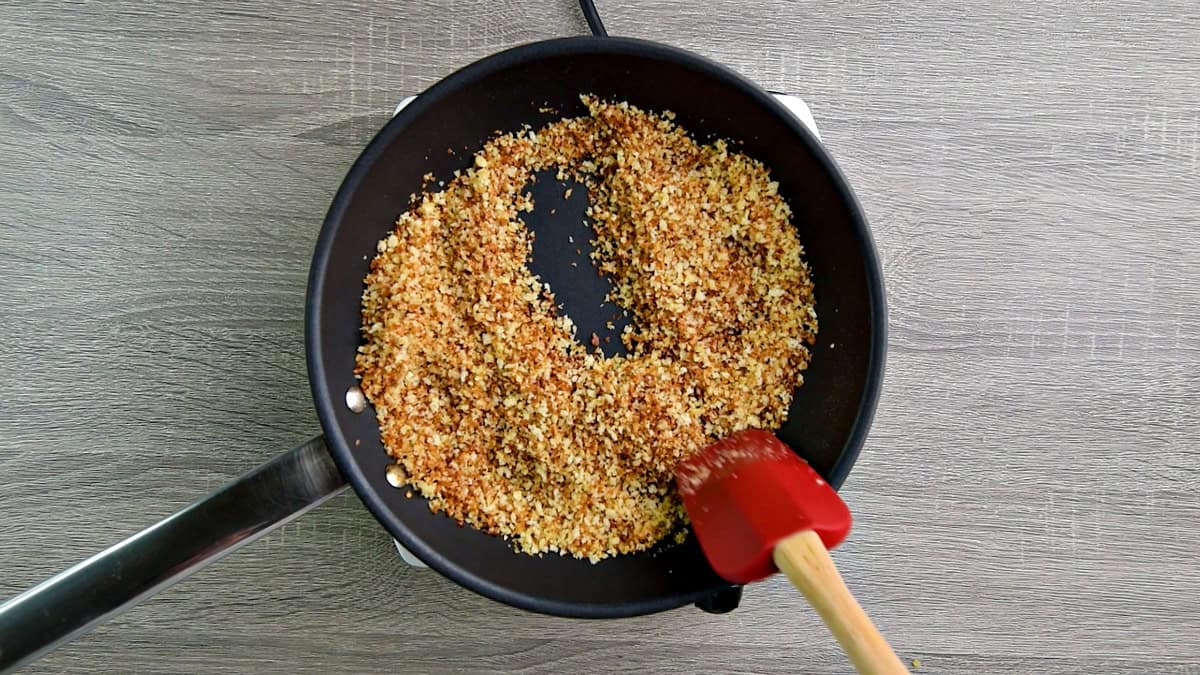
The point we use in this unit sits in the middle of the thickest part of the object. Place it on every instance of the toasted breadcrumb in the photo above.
(498, 415)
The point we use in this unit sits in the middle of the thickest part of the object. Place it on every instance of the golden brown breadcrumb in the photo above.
(485, 399)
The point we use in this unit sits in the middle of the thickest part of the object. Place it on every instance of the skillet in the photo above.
(531, 84)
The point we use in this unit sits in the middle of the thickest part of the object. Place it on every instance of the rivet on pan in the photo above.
(396, 475)
(356, 401)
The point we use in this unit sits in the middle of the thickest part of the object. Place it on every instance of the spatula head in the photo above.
(747, 492)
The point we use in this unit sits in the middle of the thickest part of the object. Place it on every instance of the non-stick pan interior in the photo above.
(437, 133)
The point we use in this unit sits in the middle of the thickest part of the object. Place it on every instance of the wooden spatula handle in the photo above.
(806, 562)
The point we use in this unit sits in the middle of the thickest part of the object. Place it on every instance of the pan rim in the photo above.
(326, 403)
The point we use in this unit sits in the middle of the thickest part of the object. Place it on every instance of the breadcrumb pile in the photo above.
(494, 411)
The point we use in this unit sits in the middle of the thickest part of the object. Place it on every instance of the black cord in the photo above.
(593, 18)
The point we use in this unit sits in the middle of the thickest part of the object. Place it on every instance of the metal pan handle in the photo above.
(100, 587)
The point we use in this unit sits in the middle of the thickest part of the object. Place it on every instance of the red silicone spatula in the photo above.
(757, 508)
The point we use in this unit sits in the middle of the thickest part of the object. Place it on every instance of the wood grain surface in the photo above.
(1029, 499)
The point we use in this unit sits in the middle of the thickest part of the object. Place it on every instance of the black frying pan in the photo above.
(827, 422)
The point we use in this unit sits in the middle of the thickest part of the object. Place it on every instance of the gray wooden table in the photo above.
(1028, 499)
